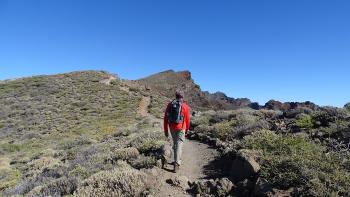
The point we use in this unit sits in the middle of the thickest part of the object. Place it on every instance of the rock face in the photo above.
(226, 102)
(244, 165)
(167, 82)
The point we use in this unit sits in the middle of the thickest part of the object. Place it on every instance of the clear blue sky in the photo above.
(289, 50)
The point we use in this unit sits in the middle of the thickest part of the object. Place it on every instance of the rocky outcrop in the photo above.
(277, 105)
(245, 165)
(226, 102)
(165, 83)
(217, 187)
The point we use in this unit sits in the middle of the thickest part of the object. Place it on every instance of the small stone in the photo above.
(181, 181)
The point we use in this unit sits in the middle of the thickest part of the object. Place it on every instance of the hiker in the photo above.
(177, 118)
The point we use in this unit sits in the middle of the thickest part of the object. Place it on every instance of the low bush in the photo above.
(205, 129)
(244, 129)
(148, 141)
(294, 161)
(201, 120)
(59, 187)
(29, 182)
(75, 142)
(305, 121)
(223, 129)
(8, 175)
(89, 160)
(124, 154)
(121, 181)
(143, 162)
(80, 171)
(37, 166)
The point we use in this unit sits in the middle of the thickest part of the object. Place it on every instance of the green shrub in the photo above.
(124, 154)
(37, 166)
(143, 162)
(222, 130)
(10, 148)
(148, 141)
(205, 129)
(151, 145)
(305, 121)
(8, 175)
(294, 161)
(80, 171)
(201, 120)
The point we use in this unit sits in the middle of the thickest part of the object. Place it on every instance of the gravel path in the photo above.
(196, 156)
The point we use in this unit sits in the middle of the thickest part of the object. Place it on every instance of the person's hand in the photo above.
(186, 133)
(167, 136)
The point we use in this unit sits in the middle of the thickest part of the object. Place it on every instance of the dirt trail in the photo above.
(196, 158)
(143, 106)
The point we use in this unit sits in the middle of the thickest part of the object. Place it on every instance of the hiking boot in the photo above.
(176, 167)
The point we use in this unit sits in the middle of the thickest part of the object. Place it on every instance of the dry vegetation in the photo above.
(305, 152)
(71, 135)
(64, 133)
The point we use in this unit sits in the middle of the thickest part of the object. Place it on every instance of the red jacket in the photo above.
(185, 125)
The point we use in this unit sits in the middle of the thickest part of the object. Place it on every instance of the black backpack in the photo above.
(174, 112)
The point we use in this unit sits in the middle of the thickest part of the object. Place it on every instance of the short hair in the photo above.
(179, 94)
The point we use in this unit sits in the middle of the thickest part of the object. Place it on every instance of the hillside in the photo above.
(91, 133)
(59, 126)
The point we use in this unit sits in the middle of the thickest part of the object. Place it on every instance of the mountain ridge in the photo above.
(168, 81)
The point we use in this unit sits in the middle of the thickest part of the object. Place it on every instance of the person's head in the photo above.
(179, 94)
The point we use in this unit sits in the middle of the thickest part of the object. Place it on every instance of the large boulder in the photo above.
(165, 153)
(245, 165)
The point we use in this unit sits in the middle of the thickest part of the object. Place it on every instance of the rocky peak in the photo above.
(168, 81)
(185, 74)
